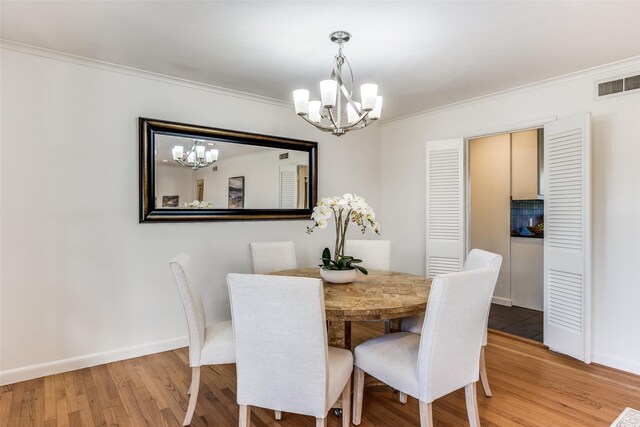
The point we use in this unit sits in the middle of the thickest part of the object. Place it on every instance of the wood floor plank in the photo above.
(6, 397)
(16, 405)
(49, 397)
(62, 410)
(531, 387)
(28, 409)
(91, 393)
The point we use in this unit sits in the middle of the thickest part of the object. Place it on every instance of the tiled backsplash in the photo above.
(522, 211)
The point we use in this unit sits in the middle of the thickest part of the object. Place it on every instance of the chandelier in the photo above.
(336, 97)
(197, 156)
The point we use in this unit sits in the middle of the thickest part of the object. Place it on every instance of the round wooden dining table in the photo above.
(380, 295)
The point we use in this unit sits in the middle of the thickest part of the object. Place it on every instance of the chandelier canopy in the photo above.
(337, 98)
(197, 156)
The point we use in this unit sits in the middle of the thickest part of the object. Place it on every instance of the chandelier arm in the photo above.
(348, 94)
(350, 73)
(362, 126)
(333, 120)
(318, 125)
(363, 118)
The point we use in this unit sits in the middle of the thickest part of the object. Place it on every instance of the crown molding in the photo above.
(611, 67)
(135, 72)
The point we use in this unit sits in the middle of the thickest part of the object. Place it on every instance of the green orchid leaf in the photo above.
(362, 269)
(326, 257)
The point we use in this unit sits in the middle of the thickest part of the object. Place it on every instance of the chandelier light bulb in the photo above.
(377, 110)
(200, 150)
(191, 158)
(352, 114)
(328, 92)
(314, 111)
(368, 93)
(301, 101)
(177, 152)
(214, 154)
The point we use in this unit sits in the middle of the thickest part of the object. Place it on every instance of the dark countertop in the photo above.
(530, 236)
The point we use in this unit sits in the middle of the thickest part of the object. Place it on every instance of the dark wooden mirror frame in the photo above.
(149, 213)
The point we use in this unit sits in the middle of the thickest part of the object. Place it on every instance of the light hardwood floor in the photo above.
(531, 387)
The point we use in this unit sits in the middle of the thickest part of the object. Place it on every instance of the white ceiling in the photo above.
(421, 54)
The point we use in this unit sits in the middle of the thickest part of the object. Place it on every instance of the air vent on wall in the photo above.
(618, 86)
(284, 156)
(632, 83)
(609, 88)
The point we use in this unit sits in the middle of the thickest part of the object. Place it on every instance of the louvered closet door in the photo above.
(567, 252)
(288, 187)
(445, 204)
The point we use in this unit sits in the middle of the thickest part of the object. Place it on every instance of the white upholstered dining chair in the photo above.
(442, 359)
(476, 259)
(208, 345)
(375, 254)
(283, 360)
(267, 257)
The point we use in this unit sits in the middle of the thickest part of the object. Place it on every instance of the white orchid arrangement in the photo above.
(199, 205)
(345, 210)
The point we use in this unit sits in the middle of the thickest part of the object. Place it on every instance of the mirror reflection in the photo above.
(200, 173)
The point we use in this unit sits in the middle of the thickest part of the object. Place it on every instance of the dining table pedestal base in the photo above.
(339, 333)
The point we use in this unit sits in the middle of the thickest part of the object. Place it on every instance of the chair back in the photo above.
(451, 338)
(267, 257)
(374, 254)
(192, 303)
(479, 258)
(281, 342)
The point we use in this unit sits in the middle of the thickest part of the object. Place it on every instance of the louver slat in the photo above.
(565, 300)
(564, 193)
(444, 207)
(443, 195)
(442, 265)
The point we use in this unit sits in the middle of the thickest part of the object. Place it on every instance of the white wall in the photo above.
(82, 281)
(616, 193)
(174, 181)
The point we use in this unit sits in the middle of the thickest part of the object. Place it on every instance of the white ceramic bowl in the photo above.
(338, 276)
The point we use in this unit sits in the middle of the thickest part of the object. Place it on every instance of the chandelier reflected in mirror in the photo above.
(197, 156)
(337, 112)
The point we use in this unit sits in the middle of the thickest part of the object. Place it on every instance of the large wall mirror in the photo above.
(196, 173)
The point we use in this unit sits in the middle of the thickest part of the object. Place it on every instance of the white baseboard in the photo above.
(502, 301)
(616, 362)
(25, 373)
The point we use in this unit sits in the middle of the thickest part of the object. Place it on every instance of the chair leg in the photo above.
(245, 416)
(403, 397)
(278, 415)
(190, 386)
(426, 415)
(320, 422)
(483, 374)
(472, 405)
(193, 388)
(346, 404)
(358, 389)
